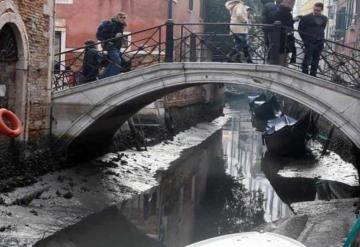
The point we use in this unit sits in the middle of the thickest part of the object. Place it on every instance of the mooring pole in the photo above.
(328, 139)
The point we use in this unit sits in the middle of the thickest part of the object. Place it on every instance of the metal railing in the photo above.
(208, 42)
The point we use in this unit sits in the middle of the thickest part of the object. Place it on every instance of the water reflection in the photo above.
(227, 207)
(196, 200)
(243, 148)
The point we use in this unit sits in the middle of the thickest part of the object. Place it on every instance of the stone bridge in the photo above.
(90, 114)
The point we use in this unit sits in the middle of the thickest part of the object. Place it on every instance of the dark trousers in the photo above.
(114, 67)
(312, 57)
(241, 44)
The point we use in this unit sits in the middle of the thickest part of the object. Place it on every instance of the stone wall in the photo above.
(38, 18)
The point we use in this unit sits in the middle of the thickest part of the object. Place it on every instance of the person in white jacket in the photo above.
(239, 15)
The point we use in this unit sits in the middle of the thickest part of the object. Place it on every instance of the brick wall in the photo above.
(184, 97)
(34, 19)
(37, 20)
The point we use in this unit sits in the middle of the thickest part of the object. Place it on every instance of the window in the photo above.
(126, 39)
(202, 9)
(340, 23)
(59, 46)
(349, 13)
(64, 1)
(57, 42)
(331, 14)
(57, 49)
(8, 47)
(191, 4)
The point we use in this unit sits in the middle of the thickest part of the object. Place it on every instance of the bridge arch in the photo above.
(105, 104)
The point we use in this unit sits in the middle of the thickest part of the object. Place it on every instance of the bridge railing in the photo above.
(206, 42)
(339, 63)
(139, 49)
(214, 42)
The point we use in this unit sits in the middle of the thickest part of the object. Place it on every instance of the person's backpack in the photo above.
(104, 31)
(271, 11)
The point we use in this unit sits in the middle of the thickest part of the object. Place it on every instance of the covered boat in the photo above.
(263, 108)
(257, 100)
(267, 110)
(287, 136)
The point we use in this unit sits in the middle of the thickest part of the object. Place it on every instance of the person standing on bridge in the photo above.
(270, 8)
(91, 63)
(111, 33)
(312, 32)
(238, 29)
(287, 40)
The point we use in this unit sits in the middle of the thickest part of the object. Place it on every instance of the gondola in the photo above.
(257, 100)
(267, 110)
(263, 108)
(287, 136)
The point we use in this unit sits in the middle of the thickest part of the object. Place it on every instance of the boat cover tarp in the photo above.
(274, 125)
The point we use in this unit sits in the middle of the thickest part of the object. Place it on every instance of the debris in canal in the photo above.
(34, 212)
(5, 228)
(68, 195)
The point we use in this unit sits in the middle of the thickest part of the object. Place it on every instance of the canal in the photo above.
(227, 184)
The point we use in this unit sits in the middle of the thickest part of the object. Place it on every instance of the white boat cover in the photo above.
(249, 239)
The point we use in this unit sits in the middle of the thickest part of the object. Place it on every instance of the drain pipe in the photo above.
(170, 9)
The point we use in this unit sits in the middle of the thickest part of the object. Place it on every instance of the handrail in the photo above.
(184, 43)
(109, 40)
(202, 24)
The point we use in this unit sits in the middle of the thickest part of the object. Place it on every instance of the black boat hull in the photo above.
(291, 139)
(253, 105)
(267, 110)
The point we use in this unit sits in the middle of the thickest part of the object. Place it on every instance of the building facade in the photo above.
(347, 23)
(77, 20)
(26, 38)
(73, 27)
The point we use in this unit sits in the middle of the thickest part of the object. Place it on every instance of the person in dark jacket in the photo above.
(113, 30)
(269, 11)
(312, 32)
(287, 40)
(91, 63)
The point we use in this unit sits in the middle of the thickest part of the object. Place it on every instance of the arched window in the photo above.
(8, 48)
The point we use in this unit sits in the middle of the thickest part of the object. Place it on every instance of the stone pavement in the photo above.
(318, 223)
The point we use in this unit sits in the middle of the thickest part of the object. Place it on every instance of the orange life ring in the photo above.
(15, 129)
